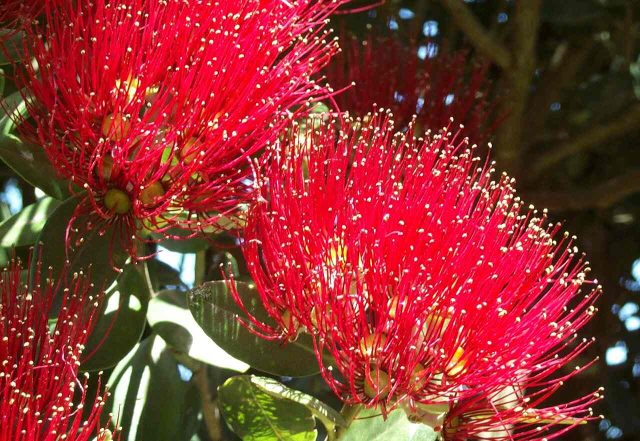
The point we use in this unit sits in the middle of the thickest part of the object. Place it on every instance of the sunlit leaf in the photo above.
(169, 316)
(255, 415)
(216, 312)
(28, 160)
(122, 321)
(325, 413)
(24, 227)
(151, 395)
(369, 425)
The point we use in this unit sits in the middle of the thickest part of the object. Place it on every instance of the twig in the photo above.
(201, 268)
(209, 408)
(601, 196)
(349, 412)
(420, 11)
(477, 34)
(589, 139)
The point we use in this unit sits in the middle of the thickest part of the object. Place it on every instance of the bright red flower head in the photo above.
(419, 273)
(38, 376)
(155, 108)
(430, 81)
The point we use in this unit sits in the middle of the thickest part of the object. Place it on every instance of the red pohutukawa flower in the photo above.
(155, 108)
(39, 387)
(419, 273)
(430, 81)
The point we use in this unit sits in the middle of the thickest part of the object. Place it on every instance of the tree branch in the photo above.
(477, 34)
(602, 196)
(420, 11)
(209, 408)
(524, 27)
(589, 139)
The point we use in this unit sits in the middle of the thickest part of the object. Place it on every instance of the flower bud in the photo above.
(377, 384)
(372, 345)
(117, 201)
(115, 127)
(151, 193)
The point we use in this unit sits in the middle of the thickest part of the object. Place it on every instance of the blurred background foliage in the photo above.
(566, 78)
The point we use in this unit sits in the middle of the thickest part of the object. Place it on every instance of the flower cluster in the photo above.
(153, 109)
(429, 81)
(38, 374)
(422, 275)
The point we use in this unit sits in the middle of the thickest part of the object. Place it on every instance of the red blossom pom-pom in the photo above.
(419, 272)
(154, 109)
(39, 388)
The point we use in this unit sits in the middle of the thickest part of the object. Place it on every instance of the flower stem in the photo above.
(201, 268)
(209, 409)
(349, 412)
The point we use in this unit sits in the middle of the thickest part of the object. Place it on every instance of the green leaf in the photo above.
(24, 227)
(31, 163)
(28, 160)
(13, 108)
(122, 321)
(169, 317)
(151, 399)
(369, 425)
(217, 313)
(325, 413)
(97, 255)
(255, 415)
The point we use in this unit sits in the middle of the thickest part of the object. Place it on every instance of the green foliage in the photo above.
(24, 227)
(96, 256)
(371, 426)
(170, 318)
(27, 160)
(31, 164)
(154, 403)
(326, 414)
(122, 321)
(217, 313)
(256, 415)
